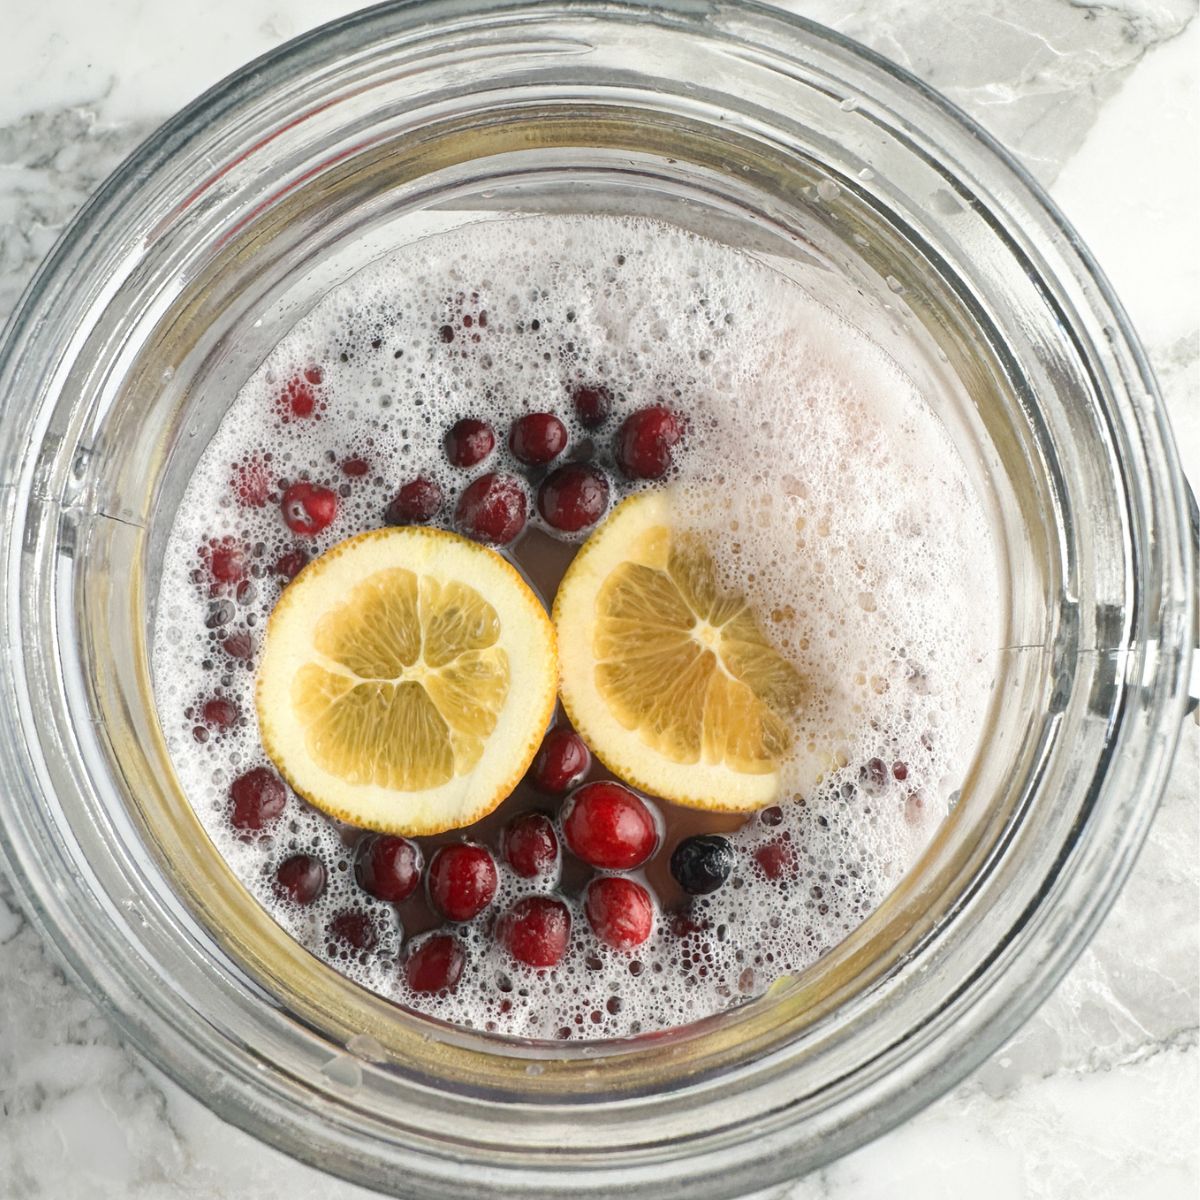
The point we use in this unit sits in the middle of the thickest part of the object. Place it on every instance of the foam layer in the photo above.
(827, 489)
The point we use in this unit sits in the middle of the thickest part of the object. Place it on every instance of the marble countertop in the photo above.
(1099, 1095)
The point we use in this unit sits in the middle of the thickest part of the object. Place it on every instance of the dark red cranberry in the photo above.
(227, 560)
(535, 931)
(873, 776)
(462, 880)
(772, 815)
(561, 763)
(251, 482)
(899, 771)
(469, 441)
(593, 403)
(702, 863)
(492, 509)
(308, 508)
(299, 396)
(219, 712)
(435, 964)
(354, 928)
(290, 564)
(300, 878)
(776, 859)
(314, 375)
(531, 846)
(619, 911)
(355, 467)
(257, 798)
(645, 441)
(239, 645)
(387, 866)
(537, 439)
(416, 502)
(609, 826)
(574, 497)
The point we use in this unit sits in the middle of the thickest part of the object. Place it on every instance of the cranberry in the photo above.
(289, 565)
(416, 502)
(776, 859)
(436, 964)
(225, 559)
(299, 397)
(300, 878)
(593, 403)
(258, 797)
(492, 509)
(772, 815)
(462, 880)
(469, 441)
(609, 826)
(251, 482)
(387, 866)
(314, 375)
(219, 712)
(531, 846)
(574, 497)
(899, 771)
(239, 645)
(702, 863)
(537, 439)
(644, 442)
(308, 508)
(561, 763)
(535, 931)
(619, 911)
(353, 927)
(355, 467)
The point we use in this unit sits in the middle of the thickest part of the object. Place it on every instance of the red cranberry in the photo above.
(219, 712)
(436, 964)
(899, 771)
(619, 911)
(387, 866)
(258, 797)
(353, 927)
(574, 497)
(355, 467)
(289, 565)
(469, 441)
(776, 859)
(530, 845)
(251, 482)
(593, 403)
(462, 880)
(535, 931)
(645, 440)
(226, 559)
(416, 502)
(537, 439)
(609, 826)
(300, 878)
(239, 645)
(314, 375)
(308, 508)
(492, 509)
(561, 763)
(299, 397)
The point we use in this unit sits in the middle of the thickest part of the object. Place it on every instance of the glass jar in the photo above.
(755, 128)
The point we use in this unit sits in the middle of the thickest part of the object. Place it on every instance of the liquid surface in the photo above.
(822, 483)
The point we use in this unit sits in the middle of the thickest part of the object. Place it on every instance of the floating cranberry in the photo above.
(258, 797)
(387, 866)
(776, 859)
(772, 815)
(593, 403)
(574, 497)
(239, 645)
(645, 441)
(492, 509)
(469, 441)
(561, 763)
(355, 467)
(619, 911)
(531, 846)
(462, 880)
(299, 397)
(289, 565)
(535, 931)
(219, 712)
(251, 482)
(226, 560)
(899, 771)
(300, 878)
(609, 826)
(308, 508)
(353, 927)
(537, 439)
(435, 964)
(416, 502)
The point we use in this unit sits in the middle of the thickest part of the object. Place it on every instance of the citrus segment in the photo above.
(665, 672)
(406, 679)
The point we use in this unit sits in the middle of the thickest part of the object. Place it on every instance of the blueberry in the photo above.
(701, 864)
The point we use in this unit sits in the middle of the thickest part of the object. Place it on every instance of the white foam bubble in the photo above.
(826, 488)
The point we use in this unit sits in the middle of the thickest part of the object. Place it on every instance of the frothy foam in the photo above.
(827, 490)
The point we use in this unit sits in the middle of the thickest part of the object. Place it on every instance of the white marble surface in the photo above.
(1099, 1096)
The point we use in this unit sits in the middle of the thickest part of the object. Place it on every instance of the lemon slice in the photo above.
(667, 676)
(406, 680)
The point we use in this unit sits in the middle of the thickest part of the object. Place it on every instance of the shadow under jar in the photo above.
(755, 129)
